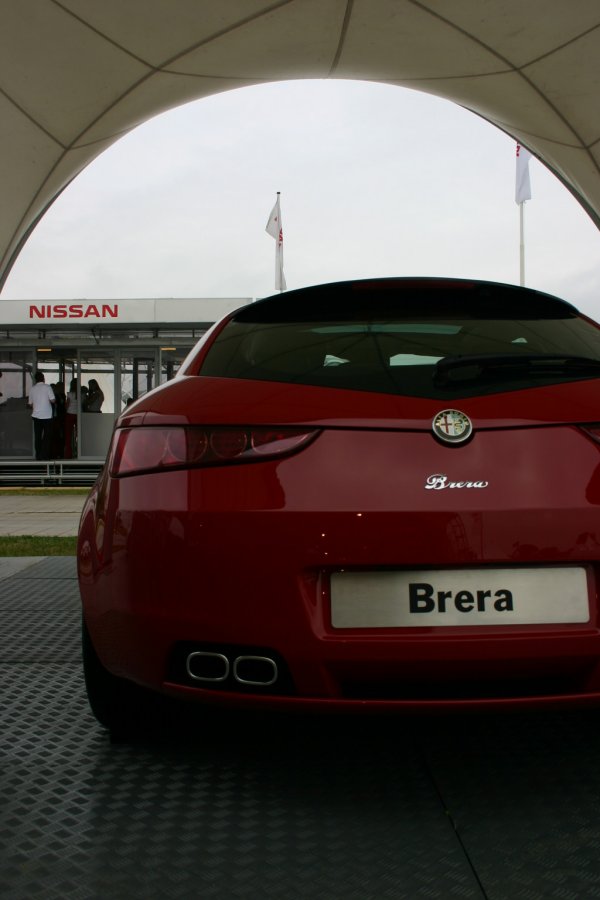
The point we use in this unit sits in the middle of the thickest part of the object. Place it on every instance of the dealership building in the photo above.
(128, 346)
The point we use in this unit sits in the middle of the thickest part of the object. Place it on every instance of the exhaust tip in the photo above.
(203, 665)
(259, 671)
(250, 669)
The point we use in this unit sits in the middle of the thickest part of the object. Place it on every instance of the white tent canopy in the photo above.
(75, 75)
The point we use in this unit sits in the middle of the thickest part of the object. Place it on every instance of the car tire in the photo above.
(119, 705)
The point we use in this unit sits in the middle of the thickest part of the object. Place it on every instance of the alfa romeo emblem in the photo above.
(452, 426)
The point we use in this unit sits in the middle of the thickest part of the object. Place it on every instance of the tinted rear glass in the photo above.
(412, 338)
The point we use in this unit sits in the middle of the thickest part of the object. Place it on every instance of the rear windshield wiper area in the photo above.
(453, 369)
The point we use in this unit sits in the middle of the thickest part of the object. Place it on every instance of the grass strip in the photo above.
(42, 491)
(32, 545)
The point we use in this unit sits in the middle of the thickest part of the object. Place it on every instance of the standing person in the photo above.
(71, 421)
(41, 403)
(58, 422)
(95, 397)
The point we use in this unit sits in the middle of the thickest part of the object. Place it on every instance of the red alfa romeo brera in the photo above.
(376, 494)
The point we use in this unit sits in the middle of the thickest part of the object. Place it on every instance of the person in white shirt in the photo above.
(41, 403)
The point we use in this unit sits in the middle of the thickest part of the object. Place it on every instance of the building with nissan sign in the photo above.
(126, 346)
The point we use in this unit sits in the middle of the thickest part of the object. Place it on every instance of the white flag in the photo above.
(523, 184)
(275, 229)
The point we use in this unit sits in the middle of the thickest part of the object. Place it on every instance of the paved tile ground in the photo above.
(229, 806)
(15, 565)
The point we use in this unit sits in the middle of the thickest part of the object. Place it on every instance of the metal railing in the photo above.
(49, 473)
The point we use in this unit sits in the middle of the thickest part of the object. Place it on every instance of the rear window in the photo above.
(417, 338)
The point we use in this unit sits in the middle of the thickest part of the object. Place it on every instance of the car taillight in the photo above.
(147, 449)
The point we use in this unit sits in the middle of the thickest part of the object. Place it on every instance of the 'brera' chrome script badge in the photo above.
(440, 482)
(452, 426)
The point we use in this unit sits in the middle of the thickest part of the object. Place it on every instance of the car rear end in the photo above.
(367, 495)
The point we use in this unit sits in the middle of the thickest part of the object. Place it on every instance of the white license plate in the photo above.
(422, 599)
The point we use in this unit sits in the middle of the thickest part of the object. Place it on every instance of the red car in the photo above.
(366, 495)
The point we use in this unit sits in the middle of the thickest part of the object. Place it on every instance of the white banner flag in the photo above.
(523, 184)
(275, 229)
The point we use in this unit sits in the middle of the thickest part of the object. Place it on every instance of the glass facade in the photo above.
(16, 434)
(92, 386)
(99, 355)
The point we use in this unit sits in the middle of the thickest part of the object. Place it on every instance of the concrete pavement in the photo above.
(43, 515)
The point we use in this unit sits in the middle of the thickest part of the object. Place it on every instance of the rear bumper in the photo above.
(146, 620)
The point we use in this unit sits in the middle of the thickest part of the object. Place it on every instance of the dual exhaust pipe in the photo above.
(215, 668)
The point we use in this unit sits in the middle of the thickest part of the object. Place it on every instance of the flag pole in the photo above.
(521, 244)
(279, 250)
(522, 193)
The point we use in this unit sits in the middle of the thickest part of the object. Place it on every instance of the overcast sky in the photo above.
(374, 180)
